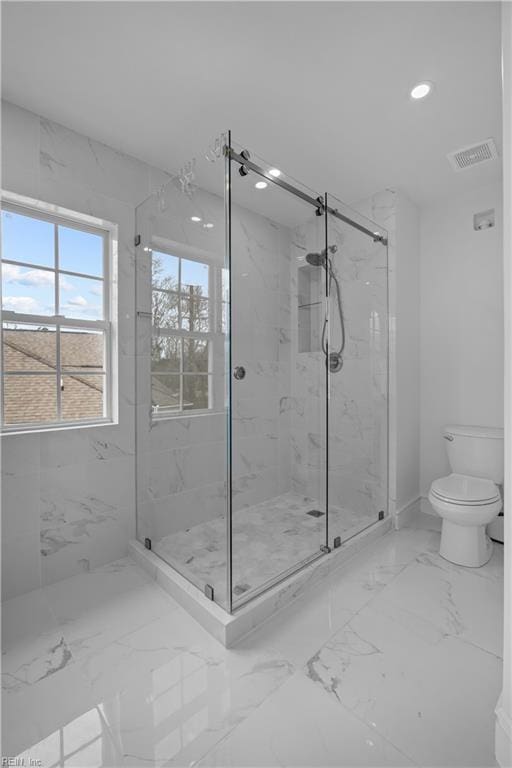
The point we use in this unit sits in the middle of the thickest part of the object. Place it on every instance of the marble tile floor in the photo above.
(268, 539)
(394, 660)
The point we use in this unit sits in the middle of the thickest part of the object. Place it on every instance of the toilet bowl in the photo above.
(466, 504)
(469, 499)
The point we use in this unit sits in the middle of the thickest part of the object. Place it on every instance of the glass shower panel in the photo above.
(182, 343)
(279, 382)
(358, 404)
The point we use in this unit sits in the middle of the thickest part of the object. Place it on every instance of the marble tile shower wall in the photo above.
(68, 497)
(182, 460)
(261, 341)
(358, 395)
(358, 430)
(383, 208)
(306, 407)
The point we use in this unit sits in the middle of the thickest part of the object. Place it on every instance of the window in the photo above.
(56, 329)
(187, 339)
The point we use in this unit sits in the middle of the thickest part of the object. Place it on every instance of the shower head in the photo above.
(316, 259)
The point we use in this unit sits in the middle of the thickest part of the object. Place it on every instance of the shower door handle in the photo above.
(239, 373)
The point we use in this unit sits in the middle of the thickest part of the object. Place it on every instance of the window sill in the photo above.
(185, 415)
(18, 430)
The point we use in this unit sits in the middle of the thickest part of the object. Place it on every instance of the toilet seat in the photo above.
(465, 490)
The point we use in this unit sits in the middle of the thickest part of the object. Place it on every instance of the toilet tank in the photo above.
(476, 451)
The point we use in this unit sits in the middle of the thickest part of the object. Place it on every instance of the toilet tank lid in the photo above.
(495, 433)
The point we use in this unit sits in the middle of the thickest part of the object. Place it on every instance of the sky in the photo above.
(192, 272)
(31, 290)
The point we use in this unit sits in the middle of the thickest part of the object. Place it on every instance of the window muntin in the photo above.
(187, 333)
(56, 329)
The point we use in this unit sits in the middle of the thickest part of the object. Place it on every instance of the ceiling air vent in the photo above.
(475, 154)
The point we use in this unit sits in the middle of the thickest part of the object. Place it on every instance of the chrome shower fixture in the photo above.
(323, 260)
(318, 259)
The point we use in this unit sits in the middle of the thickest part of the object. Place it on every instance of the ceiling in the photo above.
(319, 89)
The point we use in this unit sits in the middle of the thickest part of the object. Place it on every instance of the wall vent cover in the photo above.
(464, 158)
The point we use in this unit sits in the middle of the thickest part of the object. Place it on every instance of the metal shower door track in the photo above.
(317, 202)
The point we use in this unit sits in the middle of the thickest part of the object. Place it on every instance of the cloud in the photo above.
(28, 277)
(40, 280)
(37, 278)
(64, 285)
(78, 301)
(25, 304)
(80, 307)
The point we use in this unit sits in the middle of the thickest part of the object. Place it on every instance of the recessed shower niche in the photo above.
(311, 308)
(243, 293)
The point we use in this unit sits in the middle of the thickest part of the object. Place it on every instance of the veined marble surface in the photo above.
(60, 513)
(268, 539)
(358, 452)
(392, 661)
(181, 467)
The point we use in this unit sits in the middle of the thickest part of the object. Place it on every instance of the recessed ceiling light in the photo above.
(209, 225)
(275, 172)
(421, 90)
(195, 218)
(261, 184)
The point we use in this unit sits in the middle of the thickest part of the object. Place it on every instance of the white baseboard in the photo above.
(407, 513)
(503, 737)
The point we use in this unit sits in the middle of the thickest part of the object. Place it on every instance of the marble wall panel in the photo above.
(68, 496)
(358, 394)
(260, 342)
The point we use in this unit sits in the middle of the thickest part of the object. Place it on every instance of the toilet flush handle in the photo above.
(448, 437)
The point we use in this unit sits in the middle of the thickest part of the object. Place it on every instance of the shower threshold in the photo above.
(250, 609)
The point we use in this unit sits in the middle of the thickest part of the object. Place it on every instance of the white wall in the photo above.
(407, 362)
(504, 707)
(68, 497)
(461, 323)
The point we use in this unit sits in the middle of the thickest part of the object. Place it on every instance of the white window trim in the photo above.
(57, 214)
(214, 336)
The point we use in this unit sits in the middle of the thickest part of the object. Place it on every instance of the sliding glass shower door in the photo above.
(261, 371)
(182, 354)
(278, 378)
(358, 370)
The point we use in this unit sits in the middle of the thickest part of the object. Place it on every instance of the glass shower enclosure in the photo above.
(261, 373)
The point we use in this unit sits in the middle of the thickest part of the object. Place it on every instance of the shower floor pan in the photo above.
(267, 539)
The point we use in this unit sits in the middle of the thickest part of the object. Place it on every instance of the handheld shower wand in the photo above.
(322, 260)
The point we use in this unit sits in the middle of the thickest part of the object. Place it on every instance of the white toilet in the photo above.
(469, 498)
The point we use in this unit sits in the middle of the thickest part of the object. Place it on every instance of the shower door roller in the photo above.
(239, 372)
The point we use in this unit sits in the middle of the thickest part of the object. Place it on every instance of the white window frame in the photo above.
(57, 215)
(215, 336)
